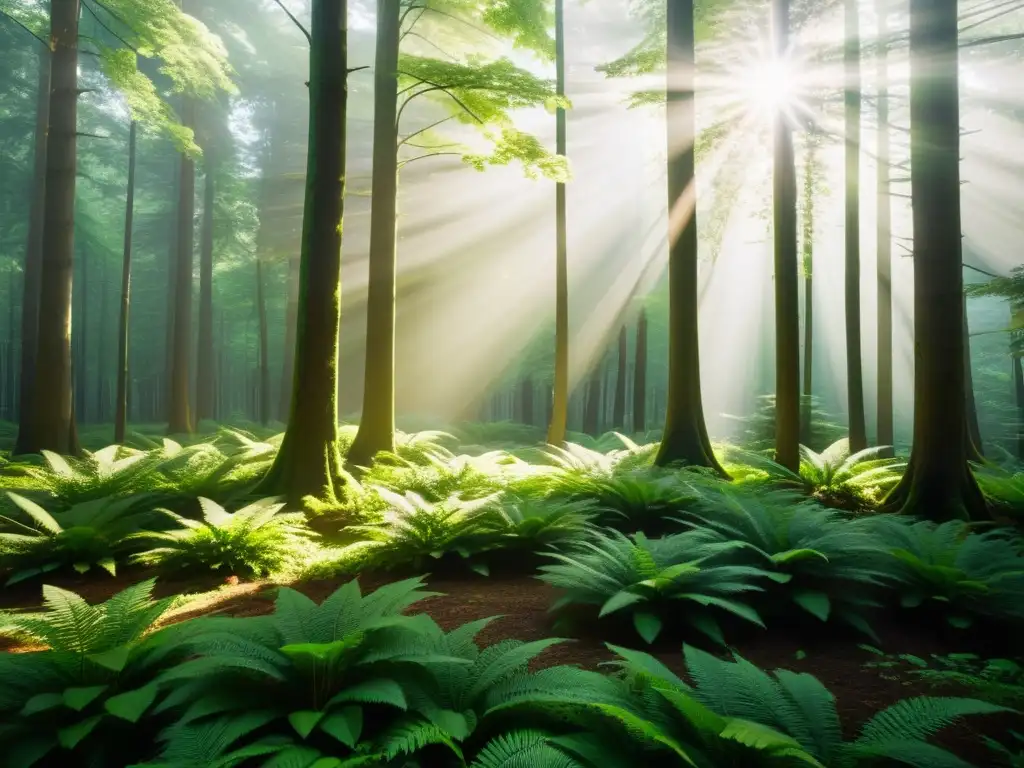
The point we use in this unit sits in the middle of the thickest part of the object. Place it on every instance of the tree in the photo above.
(560, 393)
(204, 345)
(938, 483)
(685, 438)
(121, 407)
(474, 91)
(309, 462)
(885, 436)
(640, 375)
(810, 190)
(619, 408)
(852, 99)
(787, 301)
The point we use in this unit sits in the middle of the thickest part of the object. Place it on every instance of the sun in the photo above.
(770, 85)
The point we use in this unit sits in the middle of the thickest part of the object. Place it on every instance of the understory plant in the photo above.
(90, 534)
(257, 540)
(954, 570)
(88, 698)
(532, 524)
(682, 575)
(113, 472)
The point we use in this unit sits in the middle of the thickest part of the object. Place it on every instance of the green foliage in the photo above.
(254, 541)
(643, 577)
(958, 572)
(1003, 488)
(999, 681)
(524, 523)
(93, 533)
(89, 698)
(113, 472)
(757, 431)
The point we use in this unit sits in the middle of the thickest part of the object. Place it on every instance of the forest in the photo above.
(511, 383)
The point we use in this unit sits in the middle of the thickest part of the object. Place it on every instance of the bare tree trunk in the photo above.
(101, 349)
(640, 375)
(886, 436)
(288, 353)
(560, 396)
(204, 362)
(179, 412)
(261, 308)
(807, 410)
(121, 413)
(33, 262)
(787, 294)
(619, 407)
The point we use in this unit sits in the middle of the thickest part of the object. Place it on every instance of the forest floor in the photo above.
(832, 655)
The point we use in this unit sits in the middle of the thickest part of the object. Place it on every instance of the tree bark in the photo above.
(640, 375)
(526, 399)
(377, 422)
(685, 439)
(33, 263)
(619, 407)
(121, 412)
(179, 410)
(100, 414)
(975, 447)
(560, 395)
(852, 97)
(787, 300)
(885, 427)
(807, 409)
(288, 352)
(79, 379)
(204, 362)
(261, 309)
(309, 462)
(592, 404)
(52, 401)
(938, 483)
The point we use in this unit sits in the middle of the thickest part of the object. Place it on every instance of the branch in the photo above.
(424, 130)
(404, 163)
(91, 135)
(356, 69)
(433, 87)
(433, 45)
(401, 21)
(112, 33)
(991, 40)
(37, 37)
(295, 21)
(116, 16)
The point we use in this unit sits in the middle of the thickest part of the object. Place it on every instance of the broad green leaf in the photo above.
(815, 603)
(70, 737)
(132, 705)
(304, 721)
(648, 626)
(79, 698)
(41, 702)
(345, 724)
(114, 659)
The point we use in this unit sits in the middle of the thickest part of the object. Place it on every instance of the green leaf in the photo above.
(70, 737)
(959, 622)
(796, 555)
(345, 725)
(131, 705)
(815, 603)
(108, 565)
(800, 655)
(81, 567)
(619, 600)
(480, 568)
(115, 659)
(304, 721)
(79, 698)
(647, 625)
(41, 702)
(377, 691)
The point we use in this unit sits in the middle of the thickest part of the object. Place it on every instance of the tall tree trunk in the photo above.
(261, 309)
(1018, 396)
(33, 262)
(619, 407)
(854, 363)
(560, 395)
(526, 399)
(52, 401)
(640, 375)
(685, 438)
(787, 294)
(592, 404)
(101, 349)
(121, 412)
(204, 362)
(377, 422)
(79, 380)
(975, 447)
(309, 462)
(9, 381)
(938, 483)
(807, 408)
(288, 352)
(886, 436)
(179, 412)
(164, 390)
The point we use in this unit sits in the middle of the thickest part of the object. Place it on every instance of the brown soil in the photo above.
(522, 603)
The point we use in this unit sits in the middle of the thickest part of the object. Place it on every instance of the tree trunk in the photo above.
(179, 412)
(288, 352)
(377, 421)
(854, 363)
(52, 401)
(101, 348)
(685, 439)
(592, 404)
(560, 395)
(640, 376)
(619, 407)
(886, 435)
(204, 362)
(9, 380)
(33, 263)
(309, 462)
(975, 447)
(261, 309)
(526, 399)
(79, 381)
(938, 483)
(163, 391)
(121, 412)
(787, 295)
(1018, 396)
(807, 409)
